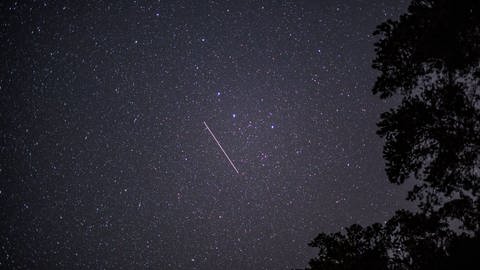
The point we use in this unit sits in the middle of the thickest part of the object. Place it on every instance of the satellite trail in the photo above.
(209, 130)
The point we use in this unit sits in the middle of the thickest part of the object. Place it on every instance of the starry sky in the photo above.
(106, 162)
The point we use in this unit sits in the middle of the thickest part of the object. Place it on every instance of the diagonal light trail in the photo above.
(231, 162)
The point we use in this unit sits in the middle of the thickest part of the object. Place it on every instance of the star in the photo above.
(103, 114)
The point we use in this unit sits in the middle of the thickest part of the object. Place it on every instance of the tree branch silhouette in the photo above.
(430, 58)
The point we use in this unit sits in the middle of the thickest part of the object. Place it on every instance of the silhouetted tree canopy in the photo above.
(431, 57)
(357, 248)
(407, 241)
(430, 60)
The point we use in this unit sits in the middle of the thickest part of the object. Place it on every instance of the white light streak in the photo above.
(231, 162)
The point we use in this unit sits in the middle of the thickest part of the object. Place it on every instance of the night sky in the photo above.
(106, 162)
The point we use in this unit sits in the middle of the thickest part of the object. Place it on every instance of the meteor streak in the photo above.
(209, 130)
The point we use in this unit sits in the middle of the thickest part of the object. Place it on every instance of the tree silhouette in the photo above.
(430, 59)
(407, 241)
(358, 248)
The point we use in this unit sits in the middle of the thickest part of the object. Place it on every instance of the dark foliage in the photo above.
(407, 241)
(430, 58)
(357, 248)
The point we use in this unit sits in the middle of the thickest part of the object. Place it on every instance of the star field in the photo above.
(106, 162)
